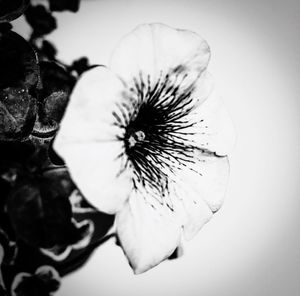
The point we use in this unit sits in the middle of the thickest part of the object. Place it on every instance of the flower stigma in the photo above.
(135, 138)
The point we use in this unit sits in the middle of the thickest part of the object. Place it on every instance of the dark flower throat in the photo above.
(154, 119)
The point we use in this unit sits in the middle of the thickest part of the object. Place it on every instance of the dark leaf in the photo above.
(41, 20)
(54, 157)
(49, 276)
(44, 282)
(22, 157)
(17, 114)
(5, 28)
(9, 248)
(40, 211)
(5, 224)
(53, 98)
(15, 152)
(3, 291)
(31, 286)
(49, 115)
(55, 79)
(12, 9)
(61, 5)
(19, 76)
(18, 62)
(81, 65)
(48, 50)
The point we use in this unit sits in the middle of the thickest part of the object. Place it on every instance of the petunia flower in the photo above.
(45, 281)
(147, 139)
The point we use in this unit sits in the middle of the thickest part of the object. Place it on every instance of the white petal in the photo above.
(47, 273)
(89, 114)
(214, 130)
(95, 168)
(196, 209)
(87, 141)
(17, 281)
(154, 48)
(149, 232)
(205, 183)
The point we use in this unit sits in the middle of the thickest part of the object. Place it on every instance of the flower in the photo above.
(147, 139)
(44, 281)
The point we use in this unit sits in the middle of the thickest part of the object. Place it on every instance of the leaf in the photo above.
(61, 5)
(41, 20)
(55, 78)
(53, 98)
(81, 65)
(5, 28)
(17, 114)
(18, 63)
(16, 152)
(43, 282)
(40, 211)
(48, 50)
(12, 9)
(19, 77)
(53, 156)
(9, 249)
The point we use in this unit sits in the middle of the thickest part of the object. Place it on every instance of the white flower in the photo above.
(147, 139)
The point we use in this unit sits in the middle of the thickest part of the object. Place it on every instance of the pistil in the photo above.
(136, 137)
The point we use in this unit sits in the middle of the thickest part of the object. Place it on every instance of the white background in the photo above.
(252, 246)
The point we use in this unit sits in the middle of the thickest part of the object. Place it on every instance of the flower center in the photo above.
(156, 137)
(136, 137)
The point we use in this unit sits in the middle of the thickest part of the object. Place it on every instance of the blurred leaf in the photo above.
(3, 291)
(53, 98)
(55, 78)
(9, 248)
(48, 50)
(18, 62)
(41, 20)
(40, 210)
(19, 76)
(54, 157)
(50, 114)
(12, 9)
(17, 113)
(5, 28)
(43, 282)
(61, 5)
(81, 65)
(17, 152)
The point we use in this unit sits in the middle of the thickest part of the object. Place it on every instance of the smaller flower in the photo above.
(44, 282)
